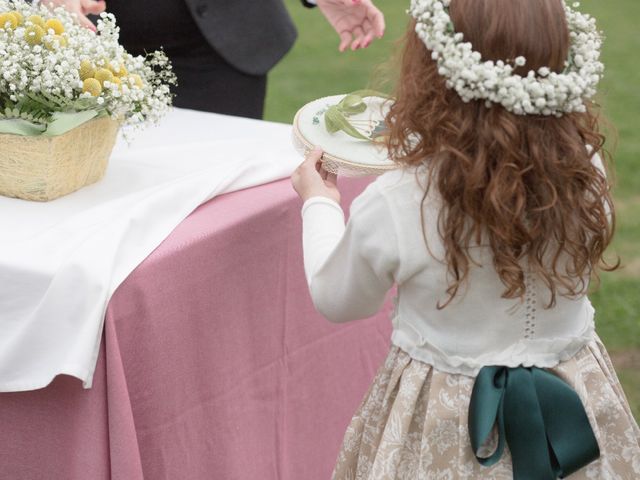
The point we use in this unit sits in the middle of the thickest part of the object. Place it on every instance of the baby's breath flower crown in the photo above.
(51, 68)
(539, 93)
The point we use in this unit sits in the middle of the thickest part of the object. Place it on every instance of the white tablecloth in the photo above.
(61, 261)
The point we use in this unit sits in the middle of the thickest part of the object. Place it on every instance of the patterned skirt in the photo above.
(412, 424)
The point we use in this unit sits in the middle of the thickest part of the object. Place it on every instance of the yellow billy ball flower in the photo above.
(114, 68)
(118, 82)
(51, 42)
(36, 20)
(123, 72)
(34, 34)
(19, 17)
(87, 70)
(104, 75)
(92, 86)
(55, 25)
(8, 20)
(137, 81)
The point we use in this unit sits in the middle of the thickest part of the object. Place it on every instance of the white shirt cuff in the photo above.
(321, 200)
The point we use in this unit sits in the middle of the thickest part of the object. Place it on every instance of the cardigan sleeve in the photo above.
(349, 269)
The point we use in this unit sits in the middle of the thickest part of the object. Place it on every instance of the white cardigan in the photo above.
(350, 270)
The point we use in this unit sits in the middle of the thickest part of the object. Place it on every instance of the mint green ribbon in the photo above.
(336, 118)
(18, 126)
(59, 124)
(539, 416)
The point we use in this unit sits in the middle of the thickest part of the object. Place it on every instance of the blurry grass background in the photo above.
(314, 69)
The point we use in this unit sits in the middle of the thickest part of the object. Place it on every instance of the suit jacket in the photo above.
(252, 35)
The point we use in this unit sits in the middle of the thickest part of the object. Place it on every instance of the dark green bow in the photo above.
(336, 118)
(539, 416)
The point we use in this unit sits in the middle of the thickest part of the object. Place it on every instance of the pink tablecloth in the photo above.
(214, 364)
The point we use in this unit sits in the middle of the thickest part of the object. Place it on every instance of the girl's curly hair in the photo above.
(530, 187)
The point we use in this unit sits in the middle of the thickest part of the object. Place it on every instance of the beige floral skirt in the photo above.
(412, 424)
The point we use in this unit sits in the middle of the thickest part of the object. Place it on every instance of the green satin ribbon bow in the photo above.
(539, 416)
(336, 118)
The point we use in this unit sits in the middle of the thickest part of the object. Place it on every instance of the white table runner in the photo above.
(61, 261)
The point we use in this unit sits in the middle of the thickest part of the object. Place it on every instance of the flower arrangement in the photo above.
(539, 93)
(64, 93)
(56, 74)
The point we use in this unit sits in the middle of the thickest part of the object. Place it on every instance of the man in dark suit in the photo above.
(222, 50)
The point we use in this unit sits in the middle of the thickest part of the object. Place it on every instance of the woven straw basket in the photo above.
(45, 168)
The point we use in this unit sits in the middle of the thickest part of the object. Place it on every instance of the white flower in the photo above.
(544, 71)
(48, 72)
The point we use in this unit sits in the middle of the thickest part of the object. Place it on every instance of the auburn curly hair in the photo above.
(529, 187)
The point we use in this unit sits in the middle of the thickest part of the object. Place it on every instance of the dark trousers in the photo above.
(206, 81)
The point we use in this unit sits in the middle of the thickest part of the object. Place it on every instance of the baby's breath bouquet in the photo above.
(64, 93)
(56, 74)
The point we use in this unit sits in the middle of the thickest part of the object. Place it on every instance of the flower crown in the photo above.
(539, 93)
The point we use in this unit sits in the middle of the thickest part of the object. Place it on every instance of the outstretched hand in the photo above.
(81, 8)
(311, 180)
(357, 22)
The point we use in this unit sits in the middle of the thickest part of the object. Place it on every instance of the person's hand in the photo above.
(357, 22)
(311, 180)
(81, 8)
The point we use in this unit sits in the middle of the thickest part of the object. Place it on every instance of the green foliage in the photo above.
(617, 305)
(630, 378)
(39, 108)
(34, 115)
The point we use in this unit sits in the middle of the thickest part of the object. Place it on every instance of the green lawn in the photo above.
(314, 69)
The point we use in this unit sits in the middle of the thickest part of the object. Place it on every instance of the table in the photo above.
(213, 363)
(61, 261)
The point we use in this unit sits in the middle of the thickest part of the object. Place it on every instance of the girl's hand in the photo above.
(81, 8)
(311, 180)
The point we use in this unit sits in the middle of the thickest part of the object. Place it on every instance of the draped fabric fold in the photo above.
(538, 415)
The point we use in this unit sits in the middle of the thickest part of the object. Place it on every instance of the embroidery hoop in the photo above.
(343, 155)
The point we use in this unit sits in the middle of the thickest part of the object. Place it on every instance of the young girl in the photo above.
(491, 228)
